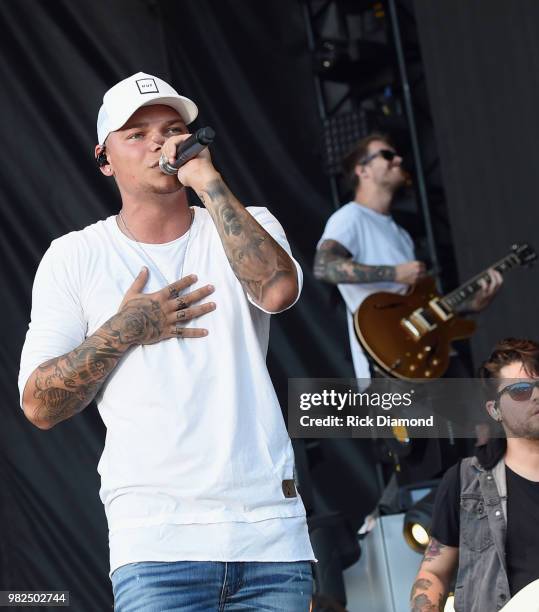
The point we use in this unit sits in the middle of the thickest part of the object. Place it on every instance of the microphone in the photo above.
(187, 150)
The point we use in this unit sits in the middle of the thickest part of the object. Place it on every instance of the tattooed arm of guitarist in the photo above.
(333, 263)
(431, 584)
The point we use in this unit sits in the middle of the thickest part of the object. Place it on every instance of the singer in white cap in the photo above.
(161, 313)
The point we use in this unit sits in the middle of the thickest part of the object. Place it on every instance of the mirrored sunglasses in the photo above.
(519, 391)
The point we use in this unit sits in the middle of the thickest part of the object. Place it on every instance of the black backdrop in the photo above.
(246, 65)
(481, 60)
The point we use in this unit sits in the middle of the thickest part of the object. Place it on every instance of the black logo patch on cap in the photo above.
(289, 488)
(147, 86)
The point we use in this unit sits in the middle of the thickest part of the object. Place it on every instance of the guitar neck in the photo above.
(467, 290)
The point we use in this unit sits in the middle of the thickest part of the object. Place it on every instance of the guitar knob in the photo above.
(411, 367)
(427, 373)
(435, 362)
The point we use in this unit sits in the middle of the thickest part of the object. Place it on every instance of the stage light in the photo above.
(416, 536)
(417, 521)
(420, 535)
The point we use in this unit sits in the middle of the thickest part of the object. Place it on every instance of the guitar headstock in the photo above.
(525, 253)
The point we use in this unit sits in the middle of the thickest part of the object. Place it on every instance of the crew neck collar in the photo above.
(371, 211)
(114, 221)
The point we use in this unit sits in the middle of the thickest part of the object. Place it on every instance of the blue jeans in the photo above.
(207, 586)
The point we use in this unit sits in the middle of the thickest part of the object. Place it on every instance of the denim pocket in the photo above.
(474, 524)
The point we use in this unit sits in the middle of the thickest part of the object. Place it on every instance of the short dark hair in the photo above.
(359, 152)
(507, 351)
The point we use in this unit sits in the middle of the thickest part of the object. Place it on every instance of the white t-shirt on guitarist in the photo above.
(373, 239)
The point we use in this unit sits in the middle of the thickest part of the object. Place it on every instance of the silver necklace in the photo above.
(148, 256)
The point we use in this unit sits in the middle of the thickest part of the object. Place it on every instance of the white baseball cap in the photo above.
(140, 89)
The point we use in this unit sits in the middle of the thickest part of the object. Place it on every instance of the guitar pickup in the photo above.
(409, 326)
(442, 311)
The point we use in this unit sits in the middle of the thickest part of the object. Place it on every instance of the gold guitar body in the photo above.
(409, 336)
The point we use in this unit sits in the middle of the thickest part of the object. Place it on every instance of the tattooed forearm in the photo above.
(65, 385)
(434, 577)
(421, 584)
(434, 550)
(333, 264)
(261, 265)
(422, 603)
(424, 593)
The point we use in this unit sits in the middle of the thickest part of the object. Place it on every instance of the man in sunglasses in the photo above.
(363, 250)
(485, 517)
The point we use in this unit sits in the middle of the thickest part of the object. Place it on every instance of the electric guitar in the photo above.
(409, 336)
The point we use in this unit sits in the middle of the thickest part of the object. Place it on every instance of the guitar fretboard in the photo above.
(466, 291)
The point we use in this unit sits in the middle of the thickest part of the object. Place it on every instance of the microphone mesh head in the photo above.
(166, 168)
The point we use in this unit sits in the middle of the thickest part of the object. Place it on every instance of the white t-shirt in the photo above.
(195, 435)
(373, 239)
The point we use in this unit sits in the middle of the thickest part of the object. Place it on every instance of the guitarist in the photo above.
(363, 250)
(486, 509)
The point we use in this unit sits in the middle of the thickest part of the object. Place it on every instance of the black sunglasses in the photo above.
(387, 154)
(519, 391)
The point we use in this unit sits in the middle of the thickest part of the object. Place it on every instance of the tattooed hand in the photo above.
(65, 385)
(149, 318)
